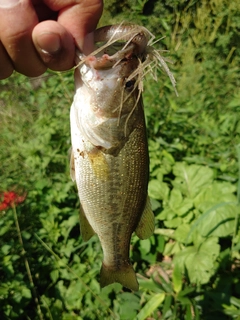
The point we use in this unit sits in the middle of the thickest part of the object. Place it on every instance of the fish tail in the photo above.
(125, 276)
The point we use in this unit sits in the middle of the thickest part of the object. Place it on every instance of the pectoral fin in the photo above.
(146, 224)
(72, 165)
(86, 230)
(99, 164)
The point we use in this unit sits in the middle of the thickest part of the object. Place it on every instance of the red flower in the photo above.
(10, 198)
(3, 206)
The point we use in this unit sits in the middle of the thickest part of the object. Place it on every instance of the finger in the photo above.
(6, 67)
(55, 45)
(80, 18)
(43, 11)
(16, 25)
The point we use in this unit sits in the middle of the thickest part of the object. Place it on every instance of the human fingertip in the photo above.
(49, 42)
(4, 74)
(6, 66)
(55, 45)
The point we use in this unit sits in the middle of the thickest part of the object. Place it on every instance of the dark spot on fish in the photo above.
(100, 148)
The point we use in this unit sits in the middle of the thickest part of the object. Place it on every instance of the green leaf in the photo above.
(217, 192)
(129, 304)
(210, 247)
(181, 256)
(186, 291)
(181, 233)
(151, 306)
(5, 249)
(26, 293)
(158, 190)
(199, 262)
(168, 157)
(149, 285)
(200, 267)
(191, 179)
(154, 204)
(177, 278)
(171, 248)
(174, 223)
(218, 221)
(175, 198)
(167, 306)
(235, 301)
(166, 214)
(145, 246)
(54, 275)
(179, 205)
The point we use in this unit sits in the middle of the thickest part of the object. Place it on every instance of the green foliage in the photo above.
(189, 269)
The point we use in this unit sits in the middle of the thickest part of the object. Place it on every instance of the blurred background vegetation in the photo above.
(190, 267)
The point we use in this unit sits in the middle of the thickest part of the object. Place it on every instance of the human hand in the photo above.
(40, 34)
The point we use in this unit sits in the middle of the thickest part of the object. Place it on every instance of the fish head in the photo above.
(108, 90)
(110, 85)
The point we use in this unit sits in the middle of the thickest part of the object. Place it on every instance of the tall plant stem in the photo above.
(34, 292)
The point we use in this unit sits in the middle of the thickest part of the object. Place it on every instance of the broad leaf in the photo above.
(151, 306)
(174, 223)
(179, 205)
(158, 190)
(199, 262)
(181, 233)
(191, 179)
(217, 192)
(172, 248)
(219, 222)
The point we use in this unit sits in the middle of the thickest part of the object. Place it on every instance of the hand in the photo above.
(40, 34)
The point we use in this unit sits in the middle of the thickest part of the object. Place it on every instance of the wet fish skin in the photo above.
(110, 157)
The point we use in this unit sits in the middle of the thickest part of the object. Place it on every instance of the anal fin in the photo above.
(146, 225)
(85, 228)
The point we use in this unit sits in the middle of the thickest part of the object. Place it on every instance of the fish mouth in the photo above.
(116, 44)
(121, 44)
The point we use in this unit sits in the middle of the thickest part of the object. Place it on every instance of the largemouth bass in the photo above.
(109, 147)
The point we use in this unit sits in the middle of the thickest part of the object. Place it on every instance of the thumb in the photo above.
(55, 45)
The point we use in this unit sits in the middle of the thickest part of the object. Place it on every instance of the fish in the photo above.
(109, 159)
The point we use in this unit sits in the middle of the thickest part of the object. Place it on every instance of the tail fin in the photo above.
(125, 276)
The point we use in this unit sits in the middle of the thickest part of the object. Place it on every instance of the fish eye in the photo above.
(129, 85)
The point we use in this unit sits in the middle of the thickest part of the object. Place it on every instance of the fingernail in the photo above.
(8, 3)
(49, 42)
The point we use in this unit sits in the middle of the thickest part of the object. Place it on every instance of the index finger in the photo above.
(16, 25)
(79, 17)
